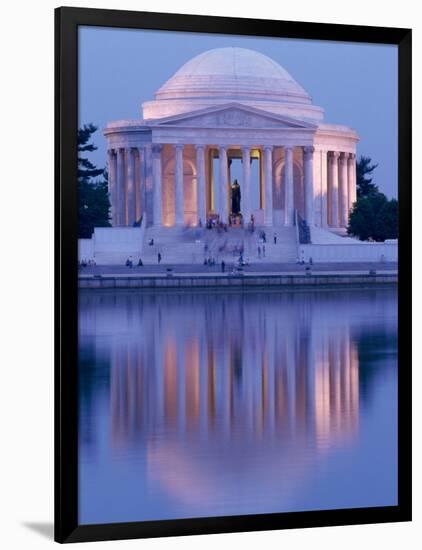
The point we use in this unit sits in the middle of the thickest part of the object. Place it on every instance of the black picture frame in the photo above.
(67, 20)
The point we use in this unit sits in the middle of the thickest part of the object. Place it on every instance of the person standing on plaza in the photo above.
(159, 257)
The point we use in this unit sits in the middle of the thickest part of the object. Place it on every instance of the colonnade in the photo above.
(130, 168)
(341, 187)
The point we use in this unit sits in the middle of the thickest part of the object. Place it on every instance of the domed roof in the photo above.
(226, 75)
(233, 73)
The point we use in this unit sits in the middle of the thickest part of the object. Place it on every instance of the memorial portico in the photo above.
(173, 166)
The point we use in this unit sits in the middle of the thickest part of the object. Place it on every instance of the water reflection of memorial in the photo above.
(224, 385)
(228, 395)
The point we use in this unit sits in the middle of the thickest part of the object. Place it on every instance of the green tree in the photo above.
(387, 221)
(374, 217)
(87, 170)
(93, 199)
(364, 169)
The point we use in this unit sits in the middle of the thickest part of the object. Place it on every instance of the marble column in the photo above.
(112, 186)
(333, 187)
(178, 191)
(246, 191)
(268, 182)
(343, 190)
(148, 184)
(131, 202)
(156, 182)
(308, 176)
(121, 190)
(324, 189)
(141, 203)
(351, 177)
(200, 192)
(288, 186)
(223, 206)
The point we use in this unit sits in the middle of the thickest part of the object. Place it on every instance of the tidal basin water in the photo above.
(210, 404)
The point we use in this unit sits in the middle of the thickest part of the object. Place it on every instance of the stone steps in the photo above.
(180, 246)
(284, 251)
(176, 245)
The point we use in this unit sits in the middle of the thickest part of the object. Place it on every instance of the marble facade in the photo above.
(173, 165)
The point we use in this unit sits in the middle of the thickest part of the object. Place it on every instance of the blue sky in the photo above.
(356, 84)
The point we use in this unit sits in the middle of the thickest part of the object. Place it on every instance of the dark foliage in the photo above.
(87, 170)
(93, 199)
(364, 169)
(374, 217)
(387, 222)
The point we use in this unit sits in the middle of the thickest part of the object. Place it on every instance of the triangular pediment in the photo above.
(232, 115)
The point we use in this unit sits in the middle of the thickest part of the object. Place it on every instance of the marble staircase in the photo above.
(176, 245)
(192, 245)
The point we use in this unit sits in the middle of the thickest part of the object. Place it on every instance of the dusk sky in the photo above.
(356, 84)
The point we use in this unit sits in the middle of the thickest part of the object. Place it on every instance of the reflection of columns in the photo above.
(170, 372)
(181, 380)
(200, 192)
(308, 175)
(203, 426)
(121, 213)
(288, 185)
(131, 204)
(112, 185)
(223, 198)
(336, 383)
(333, 187)
(156, 179)
(271, 350)
(343, 190)
(226, 390)
(351, 172)
(268, 182)
(246, 198)
(346, 408)
(178, 175)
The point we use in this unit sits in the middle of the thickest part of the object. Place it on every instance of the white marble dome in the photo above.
(232, 73)
(224, 75)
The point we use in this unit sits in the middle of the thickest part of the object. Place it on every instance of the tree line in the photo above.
(373, 216)
(93, 198)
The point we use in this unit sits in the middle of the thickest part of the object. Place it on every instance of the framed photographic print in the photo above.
(233, 287)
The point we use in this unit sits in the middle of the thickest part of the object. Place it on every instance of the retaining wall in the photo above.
(242, 281)
(359, 252)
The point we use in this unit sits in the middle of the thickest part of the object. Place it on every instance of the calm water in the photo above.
(216, 404)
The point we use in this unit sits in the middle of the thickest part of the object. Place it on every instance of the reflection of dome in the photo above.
(225, 75)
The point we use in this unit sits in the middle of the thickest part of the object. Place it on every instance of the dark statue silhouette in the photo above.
(235, 198)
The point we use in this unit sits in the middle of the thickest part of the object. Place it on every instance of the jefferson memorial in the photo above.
(173, 166)
(231, 141)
